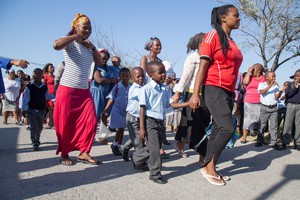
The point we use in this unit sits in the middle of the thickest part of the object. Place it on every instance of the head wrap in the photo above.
(104, 51)
(79, 18)
(149, 43)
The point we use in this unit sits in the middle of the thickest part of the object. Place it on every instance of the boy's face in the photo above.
(271, 76)
(104, 59)
(168, 80)
(297, 77)
(37, 75)
(159, 74)
(138, 76)
(286, 84)
(124, 76)
(116, 62)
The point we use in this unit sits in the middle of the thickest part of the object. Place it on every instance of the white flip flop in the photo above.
(210, 178)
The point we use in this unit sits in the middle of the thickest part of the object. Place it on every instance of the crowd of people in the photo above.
(86, 91)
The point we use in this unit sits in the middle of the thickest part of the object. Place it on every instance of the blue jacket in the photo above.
(4, 63)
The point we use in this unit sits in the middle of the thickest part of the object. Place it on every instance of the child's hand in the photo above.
(175, 97)
(104, 114)
(194, 102)
(190, 104)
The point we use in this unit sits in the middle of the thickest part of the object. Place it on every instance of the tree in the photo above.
(272, 29)
(103, 39)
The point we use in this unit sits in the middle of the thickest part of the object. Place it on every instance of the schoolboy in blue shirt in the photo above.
(140, 154)
(154, 99)
(34, 105)
(269, 94)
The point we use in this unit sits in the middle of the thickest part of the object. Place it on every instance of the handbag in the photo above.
(103, 132)
(232, 140)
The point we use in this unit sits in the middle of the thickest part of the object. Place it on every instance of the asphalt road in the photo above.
(256, 173)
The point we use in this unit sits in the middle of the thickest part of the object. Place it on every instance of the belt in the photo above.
(270, 106)
(191, 90)
(156, 120)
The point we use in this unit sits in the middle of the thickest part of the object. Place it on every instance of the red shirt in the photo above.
(223, 70)
(49, 82)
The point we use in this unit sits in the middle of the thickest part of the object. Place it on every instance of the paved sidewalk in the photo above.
(256, 173)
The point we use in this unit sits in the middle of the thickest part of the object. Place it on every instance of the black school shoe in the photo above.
(277, 147)
(159, 180)
(124, 153)
(35, 146)
(139, 169)
(116, 151)
(258, 144)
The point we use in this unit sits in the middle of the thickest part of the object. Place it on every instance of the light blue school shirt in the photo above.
(133, 105)
(268, 98)
(156, 99)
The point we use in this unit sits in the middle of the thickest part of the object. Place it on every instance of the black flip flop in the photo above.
(91, 161)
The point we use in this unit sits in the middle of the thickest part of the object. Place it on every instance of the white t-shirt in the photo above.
(269, 97)
(12, 89)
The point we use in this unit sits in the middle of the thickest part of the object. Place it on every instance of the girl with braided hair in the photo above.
(220, 60)
(74, 112)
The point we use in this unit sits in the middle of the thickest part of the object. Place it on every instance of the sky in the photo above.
(30, 27)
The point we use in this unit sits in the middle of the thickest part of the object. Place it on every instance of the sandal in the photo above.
(225, 178)
(89, 160)
(66, 161)
(211, 178)
(183, 154)
(244, 141)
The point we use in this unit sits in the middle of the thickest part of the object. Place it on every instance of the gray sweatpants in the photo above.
(267, 114)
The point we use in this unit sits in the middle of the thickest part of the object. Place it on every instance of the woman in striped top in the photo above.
(74, 113)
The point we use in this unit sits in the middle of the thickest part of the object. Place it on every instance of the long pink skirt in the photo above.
(75, 120)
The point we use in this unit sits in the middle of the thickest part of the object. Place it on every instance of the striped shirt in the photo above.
(78, 60)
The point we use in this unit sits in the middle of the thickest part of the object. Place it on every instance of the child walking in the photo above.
(140, 154)
(34, 104)
(118, 97)
(154, 100)
(269, 94)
